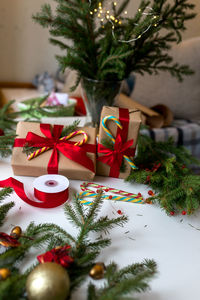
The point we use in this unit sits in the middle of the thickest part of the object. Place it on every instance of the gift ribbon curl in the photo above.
(45, 200)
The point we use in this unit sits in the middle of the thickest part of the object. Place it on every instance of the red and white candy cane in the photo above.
(65, 138)
(121, 195)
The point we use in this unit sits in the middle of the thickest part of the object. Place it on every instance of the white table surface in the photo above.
(170, 241)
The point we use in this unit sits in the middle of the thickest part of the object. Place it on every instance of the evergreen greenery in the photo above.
(118, 284)
(111, 49)
(166, 168)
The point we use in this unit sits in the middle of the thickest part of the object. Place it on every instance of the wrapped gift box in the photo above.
(132, 119)
(38, 165)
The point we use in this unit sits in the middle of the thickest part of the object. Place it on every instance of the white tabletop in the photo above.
(170, 241)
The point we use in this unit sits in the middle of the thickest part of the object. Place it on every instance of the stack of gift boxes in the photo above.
(78, 156)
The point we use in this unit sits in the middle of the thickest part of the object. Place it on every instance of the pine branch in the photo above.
(84, 251)
(136, 44)
(166, 168)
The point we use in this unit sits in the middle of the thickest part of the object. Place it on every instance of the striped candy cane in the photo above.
(121, 195)
(133, 166)
(65, 138)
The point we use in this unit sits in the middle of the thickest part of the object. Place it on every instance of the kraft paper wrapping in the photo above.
(133, 130)
(38, 165)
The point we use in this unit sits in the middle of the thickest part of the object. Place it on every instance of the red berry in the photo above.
(148, 178)
(184, 212)
(110, 197)
(151, 193)
(98, 191)
(106, 190)
(1, 132)
(172, 213)
(139, 195)
(119, 212)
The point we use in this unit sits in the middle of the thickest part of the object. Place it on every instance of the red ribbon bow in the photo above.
(68, 149)
(121, 146)
(113, 158)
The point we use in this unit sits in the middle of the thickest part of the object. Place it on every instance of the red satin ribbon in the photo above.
(47, 200)
(121, 146)
(52, 140)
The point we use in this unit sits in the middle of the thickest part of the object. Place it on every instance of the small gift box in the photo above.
(118, 135)
(73, 156)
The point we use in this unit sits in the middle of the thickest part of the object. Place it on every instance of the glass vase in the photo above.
(97, 94)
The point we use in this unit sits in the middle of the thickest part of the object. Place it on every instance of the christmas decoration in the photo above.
(77, 159)
(65, 138)
(122, 196)
(165, 168)
(60, 255)
(84, 252)
(48, 281)
(4, 273)
(8, 241)
(16, 232)
(97, 271)
(112, 151)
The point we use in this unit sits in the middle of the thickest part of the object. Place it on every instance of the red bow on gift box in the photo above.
(67, 148)
(113, 158)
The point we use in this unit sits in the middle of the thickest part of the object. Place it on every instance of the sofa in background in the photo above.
(183, 98)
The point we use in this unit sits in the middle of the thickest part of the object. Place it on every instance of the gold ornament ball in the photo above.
(16, 232)
(97, 271)
(4, 273)
(48, 281)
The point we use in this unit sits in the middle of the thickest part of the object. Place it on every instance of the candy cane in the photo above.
(122, 195)
(133, 166)
(65, 138)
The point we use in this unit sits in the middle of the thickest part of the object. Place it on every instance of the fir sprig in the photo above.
(133, 278)
(136, 44)
(166, 168)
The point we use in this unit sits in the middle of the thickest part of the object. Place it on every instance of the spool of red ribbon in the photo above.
(49, 190)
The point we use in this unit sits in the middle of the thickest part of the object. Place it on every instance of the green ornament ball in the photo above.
(48, 281)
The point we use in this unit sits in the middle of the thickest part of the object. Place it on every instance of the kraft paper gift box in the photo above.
(131, 119)
(38, 165)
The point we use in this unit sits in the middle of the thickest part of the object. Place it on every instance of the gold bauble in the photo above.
(16, 232)
(48, 281)
(4, 273)
(97, 271)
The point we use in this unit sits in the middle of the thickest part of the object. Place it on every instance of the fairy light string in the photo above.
(105, 14)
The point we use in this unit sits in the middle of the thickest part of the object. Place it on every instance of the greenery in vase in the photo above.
(107, 45)
(85, 248)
